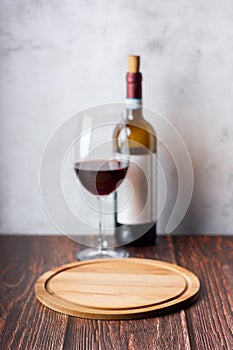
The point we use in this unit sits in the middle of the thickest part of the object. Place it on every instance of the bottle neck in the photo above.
(134, 95)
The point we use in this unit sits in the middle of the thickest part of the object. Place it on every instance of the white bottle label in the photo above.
(136, 199)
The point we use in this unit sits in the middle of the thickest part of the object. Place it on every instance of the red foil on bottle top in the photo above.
(134, 85)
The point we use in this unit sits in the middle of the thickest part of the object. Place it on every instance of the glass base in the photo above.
(101, 253)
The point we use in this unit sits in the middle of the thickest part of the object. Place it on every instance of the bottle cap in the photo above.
(133, 64)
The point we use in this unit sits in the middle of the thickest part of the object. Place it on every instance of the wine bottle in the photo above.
(135, 201)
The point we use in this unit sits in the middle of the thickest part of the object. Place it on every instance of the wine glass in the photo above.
(101, 163)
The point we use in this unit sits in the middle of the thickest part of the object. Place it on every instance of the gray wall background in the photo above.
(59, 57)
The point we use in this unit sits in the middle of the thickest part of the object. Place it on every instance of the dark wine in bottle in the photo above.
(135, 218)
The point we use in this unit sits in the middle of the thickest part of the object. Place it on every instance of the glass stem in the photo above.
(101, 237)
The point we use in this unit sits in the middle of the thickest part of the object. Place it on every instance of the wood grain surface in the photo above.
(27, 324)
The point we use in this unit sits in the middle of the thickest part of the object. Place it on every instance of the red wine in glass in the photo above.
(101, 167)
(101, 177)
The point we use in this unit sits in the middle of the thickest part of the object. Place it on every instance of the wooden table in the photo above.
(27, 324)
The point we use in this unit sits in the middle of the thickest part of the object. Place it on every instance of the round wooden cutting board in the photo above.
(117, 288)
